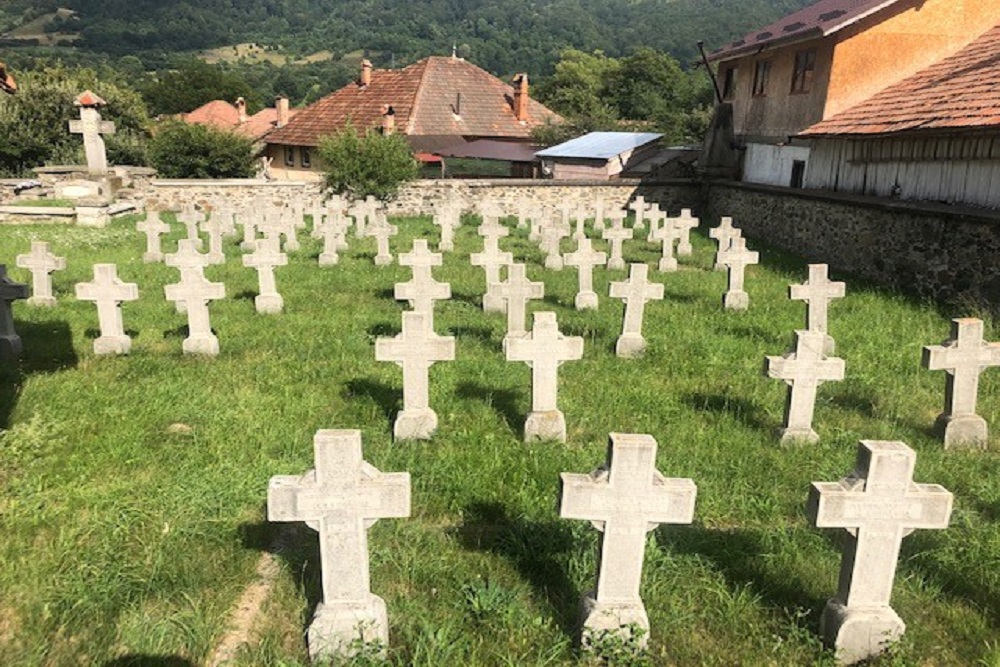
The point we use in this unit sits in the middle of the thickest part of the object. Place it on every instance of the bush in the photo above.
(373, 164)
(182, 150)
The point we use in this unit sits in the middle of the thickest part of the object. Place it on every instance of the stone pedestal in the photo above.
(858, 634)
(737, 300)
(616, 263)
(547, 425)
(415, 424)
(41, 301)
(329, 259)
(630, 345)
(667, 264)
(207, 345)
(794, 434)
(340, 629)
(112, 345)
(92, 216)
(620, 619)
(586, 301)
(268, 303)
(963, 431)
(554, 262)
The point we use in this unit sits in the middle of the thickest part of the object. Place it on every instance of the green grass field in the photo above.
(132, 490)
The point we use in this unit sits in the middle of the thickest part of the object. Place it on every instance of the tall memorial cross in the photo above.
(415, 350)
(544, 350)
(963, 357)
(92, 127)
(684, 223)
(192, 295)
(638, 206)
(422, 290)
(624, 499)
(492, 259)
(736, 259)
(342, 498)
(516, 293)
(724, 235)
(10, 291)
(153, 226)
(108, 292)
(803, 370)
(877, 504)
(585, 258)
(666, 234)
(265, 258)
(818, 291)
(41, 262)
(382, 231)
(616, 235)
(635, 292)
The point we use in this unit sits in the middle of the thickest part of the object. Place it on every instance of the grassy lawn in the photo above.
(132, 490)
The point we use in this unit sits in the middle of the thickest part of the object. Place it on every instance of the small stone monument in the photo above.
(625, 499)
(92, 127)
(638, 206)
(216, 229)
(10, 342)
(41, 263)
(585, 258)
(152, 227)
(449, 218)
(803, 370)
(684, 224)
(616, 235)
(192, 295)
(963, 356)
(599, 207)
(736, 259)
(544, 350)
(635, 292)
(877, 504)
(191, 217)
(108, 292)
(422, 290)
(818, 291)
(724, 235)
(666, 234)
(333, 231)
(580, 215)
(382, 231)
(655, 217)
(552, 235)
(415, 350)
(492, 259)
(341, 498)
(265, 258)
(516, 293)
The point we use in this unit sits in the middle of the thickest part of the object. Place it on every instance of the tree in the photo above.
(193, 84)
(359, 165)
(182, 150)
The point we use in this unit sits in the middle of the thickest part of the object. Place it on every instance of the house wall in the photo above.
(772, 165)
(282, 171)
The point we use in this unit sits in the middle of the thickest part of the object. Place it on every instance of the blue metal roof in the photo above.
(600, 145)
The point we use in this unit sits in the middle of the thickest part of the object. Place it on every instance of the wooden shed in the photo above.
(598, 155)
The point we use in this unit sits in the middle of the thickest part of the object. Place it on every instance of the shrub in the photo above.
(182, 150)
(372, 164)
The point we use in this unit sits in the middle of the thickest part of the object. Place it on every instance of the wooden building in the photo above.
(598, 155)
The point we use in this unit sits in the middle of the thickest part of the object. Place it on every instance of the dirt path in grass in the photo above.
(241, 621)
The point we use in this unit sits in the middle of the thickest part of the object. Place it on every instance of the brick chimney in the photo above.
(366, 73)
(241, 108)
(521, 96)
(388, 119)
(281, 106)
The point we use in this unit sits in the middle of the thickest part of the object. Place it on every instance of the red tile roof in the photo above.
(961, 91)
(89, 99)
(437, 96)
(818, 20)
(262, 123)
(217, 113)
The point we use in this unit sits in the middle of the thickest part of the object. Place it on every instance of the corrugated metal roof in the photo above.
(600, 145)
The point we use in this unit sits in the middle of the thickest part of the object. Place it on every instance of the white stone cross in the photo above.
(818, 291)
(187, 257)
(625, 499)
(684, 224)
(616, 235)
(10, 342)
(382, 231)
(599, 206)
(108, 292)
(544, 350)
(265, 258)
(736, 259)
(422, 290)
(552, 234)
(333, 231)
(724, 235)
(516, 293)
(252, 219)
(449, 218)
(585, 258)
(190, 217)
(655, 217)
(964, 357)
(638, 206)
(803, 370)
(192, 295)
(636, 291)
(41, 263)
(666, 234)
(491, 232)
(92, 127)
(289, 221)
(580, 214)
(415, 350)
(152, 227)
(341, 498)
(878, 504)
(492, 259)
(216, 229)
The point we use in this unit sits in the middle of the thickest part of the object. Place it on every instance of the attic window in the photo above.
(792, 27)
(829, 16)
(765, 35)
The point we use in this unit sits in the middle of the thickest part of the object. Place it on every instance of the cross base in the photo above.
(10, 347)
(639, 224)
(829, 346)
(616, 263)
(962, 431)
(329, 259)
(586, 300)
(383, 260)
(579, 235)
(493, 304)
(152, 257)
(112, 345)
(42, 301)
(548, 425)
(446, 246)
(554, 262)
(626, 620)
(291, 245)
(684, 248)
(667, 264)
(207, 345)
(857, 634)
(599, 225)
(248, 246)
(342, 629)
(736, 300)
(417, 424)
(216, 258)
(798, 434)
(268, 303)
(630, 346)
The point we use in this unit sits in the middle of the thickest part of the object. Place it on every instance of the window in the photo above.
(304, 157)
(805, 66)
(761, 75)
(798, 173)
(729, 83)
(289, 156)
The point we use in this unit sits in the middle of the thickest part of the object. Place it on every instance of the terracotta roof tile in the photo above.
(961, 91)
(217, 113)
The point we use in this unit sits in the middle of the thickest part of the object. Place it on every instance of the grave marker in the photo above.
(817, 292)
(585, 258)
(190, 217)
(10, 342)
(552, 235)
(215, 228)
(736, 259)
(803, 370)
(636, 291)
(41, 263)
(616, 235)
(92, 127)
(684, 224)
(422, 290)
(382, 231)
(724, 235)
(108, 292)
(666, 234)
(515, 293)
(265, 258)
(638, 206)
(152, 227)
(192, 295)
(492, 259)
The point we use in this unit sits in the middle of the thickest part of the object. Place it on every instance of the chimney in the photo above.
(521, 97)
(281, 106)
(241, 108)
(366, 72)
(388, 119)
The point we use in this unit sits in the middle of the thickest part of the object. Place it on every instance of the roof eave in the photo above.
(754, 49)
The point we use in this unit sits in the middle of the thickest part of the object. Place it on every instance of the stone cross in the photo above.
(10, 342)
(580, 214)
(422, 290)
(187, 260)
(190, 217)
(92, 127)
(877, 504)
(803, 370)
(251, 221)
(449, 218)
(334, 234)
(817, 292)
(599, 206)
(655, 217)
(492, 259)
(289, 221)
(625, 499)
(108, 291)
(666, 234)
(636, 291)
(516, 293)
(963, 356)
(192, 295)
(736, 259)
(382, 231)
(616, 235)
(265, 258)
(639, 206)
(415, 350)
(341, 498)
(41, 263)
(152, 227)
(684, 224)
(724, 235)
(491, 232)
(544, 350)
(585, 258)
(552, 235)
(215, 228)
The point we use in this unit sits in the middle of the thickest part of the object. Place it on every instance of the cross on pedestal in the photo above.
(290, 219)
(963, 356)
(152, 227)
(108, 292)
(684, 224)
(655, 217)
(191, 217)
(818, 291)
(252, 220)
(666, 234)
(415, 350)
(92, 127)
(544, 350)
(552, 234)
(736, 259)
(636, 291)
(265, 257)
(515, 294)
(449, 218)
(724, 235)
(491, 232)
(599, 207)
(803, 370)
(187, 259)
(382, 231)
(41, 263)
(341, 498)
(625, 499)
(334, 234)
(10, 342)
(192, 295)
(638, 206)
(580, 215)
(616, 235)
(492, 259)
(216, 229)
(878, 505)
(585, 258)
(422, 290)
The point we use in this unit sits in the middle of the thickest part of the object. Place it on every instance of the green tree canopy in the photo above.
(182, 150)
(192, 84)
(359, 165)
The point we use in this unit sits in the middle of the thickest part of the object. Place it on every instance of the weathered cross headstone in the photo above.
(616, 235)
(736, 259)
(415, 350)
(448, 217)
(877, 504)
(817, 292)
(382, 231)
(41, 263)
(544, 350)
(152, 227)
(341, 498)
(666, 234)
(216, 229)
(192, 295)
(964, 357)
(552, 235)
(191, 217)
(580, 214)
(265, 258)
(92, 127)
(516, 293)
(251, 221)
(333, 231)
(684, 224)
(599, 207)
(187, 259)
(585, 258)
(422, 290)
(724, 235)
(635, 292)
(492, 259)
(625, 499)
(638, 206)
(10, 342)
(108, 292)
(803, 370)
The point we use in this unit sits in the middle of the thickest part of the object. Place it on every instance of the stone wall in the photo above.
(174, 194)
